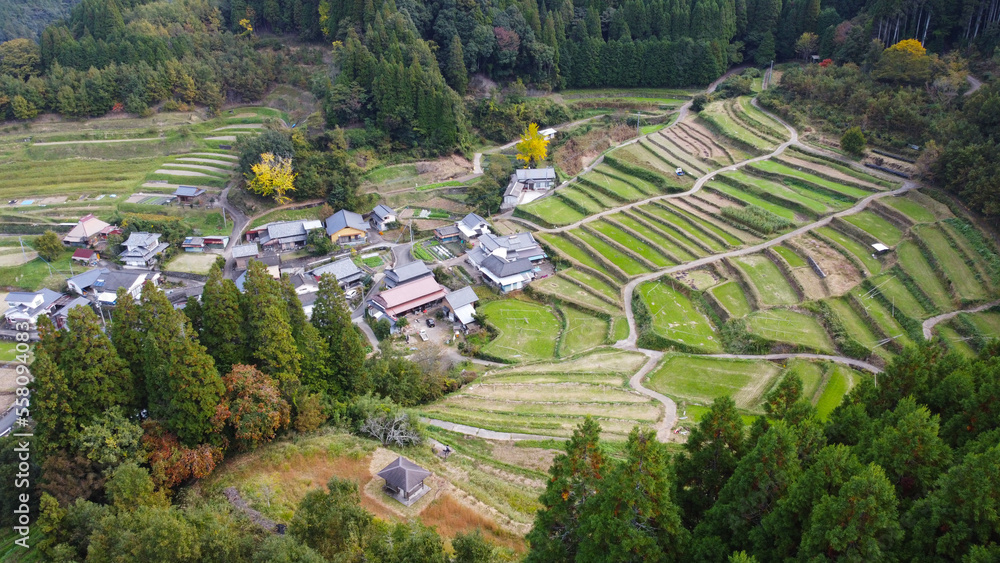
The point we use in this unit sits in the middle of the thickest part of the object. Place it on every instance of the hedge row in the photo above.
(750, 290)
(756, 218)
(572, 204)
(738, 340)
(786, 271)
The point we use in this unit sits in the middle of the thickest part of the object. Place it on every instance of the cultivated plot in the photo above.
(676, 318)
(526, 331)
(702, 379)
(791, 327)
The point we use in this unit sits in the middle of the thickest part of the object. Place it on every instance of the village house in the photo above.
(188, 194)
(347, 228)
(404, 480)
(472, 226)
(402, 299)
(283, 235)
(506, 263)
(458, 306)
(243, 253)
(86, 256)
(548, 134)
(27, 307)
(102, 284)
(193, 244)
(347, 273)
(448, 233)
(141, 250)
(381, 217)
(303, 283)
(406, 273)
(88, 231)
(524, 181)
(61, 314)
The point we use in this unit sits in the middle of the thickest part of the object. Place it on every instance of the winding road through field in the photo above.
(931, 322)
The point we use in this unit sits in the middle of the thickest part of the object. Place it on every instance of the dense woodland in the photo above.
(905, 470)
(129, 414)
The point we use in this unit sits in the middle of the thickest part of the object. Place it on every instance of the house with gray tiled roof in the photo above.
(348, 273)
(527, 180)
(283, 235)
(381, 216)
(141, 249)
(347, 228)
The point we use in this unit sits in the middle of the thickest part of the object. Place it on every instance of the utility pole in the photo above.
(23, 255)
(638, 118)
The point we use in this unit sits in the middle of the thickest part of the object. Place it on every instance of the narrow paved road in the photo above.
(931, 322)
(837, 359)
(974, 82)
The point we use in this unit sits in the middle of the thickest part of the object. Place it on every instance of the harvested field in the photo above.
(792, 327)
(731, 295)
(527, 331)
(701, 380)
(841, 275)
(675, 317)
(771, 284)
(913, 263)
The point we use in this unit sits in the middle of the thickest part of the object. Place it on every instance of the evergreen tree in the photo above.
(126, 335)
(710, 456)
(455, 72)
(765, 51)
(632, 517)
(576, 477)
(269, 333)
(860, 523)
(853, 141)
(779, 400)
(80, 376)
(347, 349)
(223, 324)
(182, 385)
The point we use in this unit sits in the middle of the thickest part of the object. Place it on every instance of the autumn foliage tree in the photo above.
(272, 177)
(254, 406)
(533, 147)
(906, 62)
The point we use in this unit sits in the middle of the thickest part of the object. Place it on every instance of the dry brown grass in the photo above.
(452, 517)
(580, 151)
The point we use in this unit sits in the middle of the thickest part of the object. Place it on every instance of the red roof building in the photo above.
(86, 255)
(404, 298)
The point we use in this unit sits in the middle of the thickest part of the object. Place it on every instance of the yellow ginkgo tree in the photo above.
(272, 177)
(533, 146)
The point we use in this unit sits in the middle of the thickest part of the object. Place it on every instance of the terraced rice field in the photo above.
(899, 296)
(643, 155)
(527, 331)
(594, 283)
(612, 254)
(575, 195)
(750, 199)
(720, 230)
(562, 288)
(669, 150)
(854, 324)
(632, 243)
(955, 341)
(772, 127)
(642, 185)
(789, 256)
(625, 191)
(783, 325)
(778, 168)
(676, 318)
(861, 252)
(885, 320)
(880, 229)
(811, 374)
(987, 323)
(553, 210)
(701, 379)
(730, 294)
(778, 190)
(715, 114)
(583, 332)
(603, 199)
(688, 225)
(567, 248)
(551, 398)
(963, 279)
(839, 381)
(657, 237)
(909, 206)
(771, 284)
(914, 264)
